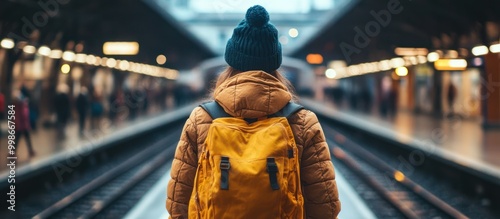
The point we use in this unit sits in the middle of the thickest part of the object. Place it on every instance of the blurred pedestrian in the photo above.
(62, 109)
(133, 100)
(22, 121)
(145, 101)
(34, 113)
(393, 102)
(96, 109)
(451, 96)
(32, 105)
(82, 106)
(366, 99)
(182, 95)
(161, 97)
(25, 92)
(385, 96)
(116, 103)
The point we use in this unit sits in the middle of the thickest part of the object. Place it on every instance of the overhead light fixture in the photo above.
(7, 43)
(450, 64)
(452, 54)
(104, 62)
(314, 58)
(97, 60)
(413, 60)
(80, 58)
(495, 48)
(29, 49)
(330, 73)
(172, 74)
(402, 71)
(44, 51)
(161, 59)
(422, 59)
(402, 51)
(480, 50)
(111, 63)
(364, 68)
(120, 48)
(65, 69)
(374, 67)
(124, 65)
(90, 59)
(68, 56)
(56, 54)
(433, 56)
(131, 66)
(293, 32)
(397, 62)
(354, 70)
(384, 65)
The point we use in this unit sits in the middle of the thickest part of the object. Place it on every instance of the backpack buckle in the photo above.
(271, 165)
(224, 173)
(272, 169)
(224, 163)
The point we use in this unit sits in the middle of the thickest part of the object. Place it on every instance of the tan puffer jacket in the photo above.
(256, 94)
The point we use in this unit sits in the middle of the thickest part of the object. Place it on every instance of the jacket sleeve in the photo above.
(183, 171)
(321, 198)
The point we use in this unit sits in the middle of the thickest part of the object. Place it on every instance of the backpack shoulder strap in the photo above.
(214, 109)
(289, 109)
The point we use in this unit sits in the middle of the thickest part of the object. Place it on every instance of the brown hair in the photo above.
(230, 71)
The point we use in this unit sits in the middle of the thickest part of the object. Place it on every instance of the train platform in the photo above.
(152, 204)
(51, 149)
(460, 142)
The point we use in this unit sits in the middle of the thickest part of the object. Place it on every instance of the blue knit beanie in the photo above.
(254, 44)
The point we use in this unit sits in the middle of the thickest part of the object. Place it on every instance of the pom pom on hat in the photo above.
(257, 16)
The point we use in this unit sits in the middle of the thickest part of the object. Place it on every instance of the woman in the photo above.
(62, 107)
(252, 88)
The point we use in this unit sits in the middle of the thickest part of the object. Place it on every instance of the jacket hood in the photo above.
(252, 94)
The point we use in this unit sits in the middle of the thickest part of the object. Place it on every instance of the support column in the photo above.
(437, 89)
(490, 91)
(410, 89)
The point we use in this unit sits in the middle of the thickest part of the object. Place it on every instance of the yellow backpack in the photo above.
(248, 169)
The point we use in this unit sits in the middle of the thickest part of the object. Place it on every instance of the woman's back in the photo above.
(251, 88)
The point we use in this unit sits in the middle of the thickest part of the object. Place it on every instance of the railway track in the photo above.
(410, 199)
(91, 199)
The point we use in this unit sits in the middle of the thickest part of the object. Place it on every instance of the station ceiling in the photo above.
(94, 22)
(212, 22)
(432, 24)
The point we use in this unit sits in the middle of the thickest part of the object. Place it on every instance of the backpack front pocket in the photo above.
(247, 180)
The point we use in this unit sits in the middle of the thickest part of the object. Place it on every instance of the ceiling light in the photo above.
(480, 50)
(7, 43)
